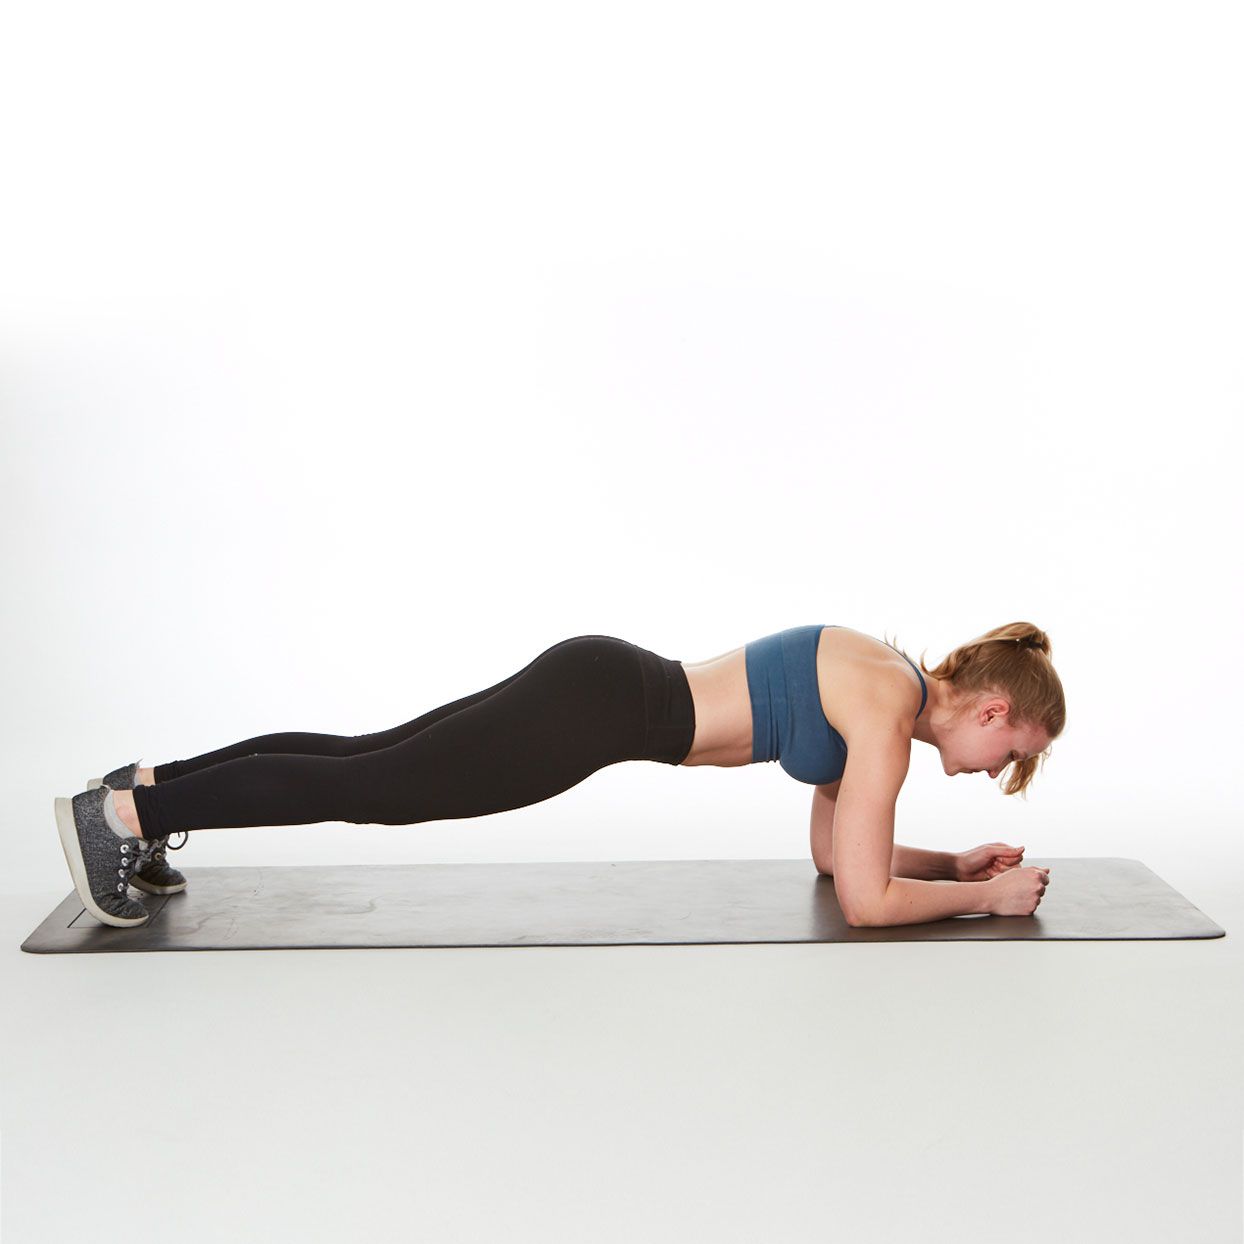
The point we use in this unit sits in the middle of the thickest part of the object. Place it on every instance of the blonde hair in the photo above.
(1014, 661)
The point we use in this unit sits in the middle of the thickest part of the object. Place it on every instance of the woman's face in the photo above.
(984, 741)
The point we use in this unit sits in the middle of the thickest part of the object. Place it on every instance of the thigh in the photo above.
(575, 709)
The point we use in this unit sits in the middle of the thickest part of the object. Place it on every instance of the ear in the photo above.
(995, 706)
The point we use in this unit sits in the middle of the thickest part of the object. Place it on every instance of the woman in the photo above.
(808, 697)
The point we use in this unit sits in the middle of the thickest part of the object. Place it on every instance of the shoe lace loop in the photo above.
(130, 860)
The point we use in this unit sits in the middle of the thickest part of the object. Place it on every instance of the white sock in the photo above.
(115, 823)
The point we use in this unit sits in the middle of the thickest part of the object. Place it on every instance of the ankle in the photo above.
(123, 805)
(145, 777)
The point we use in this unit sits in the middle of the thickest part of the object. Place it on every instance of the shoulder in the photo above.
(866, 687)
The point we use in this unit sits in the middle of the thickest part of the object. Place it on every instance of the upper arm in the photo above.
(824, 800)
(878, 756)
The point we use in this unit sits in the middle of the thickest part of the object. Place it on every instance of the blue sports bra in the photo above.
(788, 723)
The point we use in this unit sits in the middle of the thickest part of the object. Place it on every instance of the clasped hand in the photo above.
(982, 863)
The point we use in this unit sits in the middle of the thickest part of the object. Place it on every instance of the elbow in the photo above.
(868, 916)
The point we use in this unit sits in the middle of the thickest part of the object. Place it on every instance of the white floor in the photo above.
(906, 1092)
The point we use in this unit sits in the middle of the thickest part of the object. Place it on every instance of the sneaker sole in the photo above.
(141, 883)
(67, 828)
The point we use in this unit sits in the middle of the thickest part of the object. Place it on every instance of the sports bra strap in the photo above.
(924, 690)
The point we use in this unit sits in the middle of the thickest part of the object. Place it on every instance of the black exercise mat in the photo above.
(645, 902)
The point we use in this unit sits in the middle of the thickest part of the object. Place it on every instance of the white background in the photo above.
(353, 355)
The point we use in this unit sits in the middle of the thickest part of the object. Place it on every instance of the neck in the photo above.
(937, 712)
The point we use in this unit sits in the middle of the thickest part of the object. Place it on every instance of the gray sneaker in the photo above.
(154, 873)
(101, 862)
(119, 779)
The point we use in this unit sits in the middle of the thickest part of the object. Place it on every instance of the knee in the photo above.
(362, 796)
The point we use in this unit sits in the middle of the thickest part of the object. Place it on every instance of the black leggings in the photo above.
(582, 704)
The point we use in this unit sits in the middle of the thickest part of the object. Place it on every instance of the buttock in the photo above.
(645, 694)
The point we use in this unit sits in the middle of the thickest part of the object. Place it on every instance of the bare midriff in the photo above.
(847, 662)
